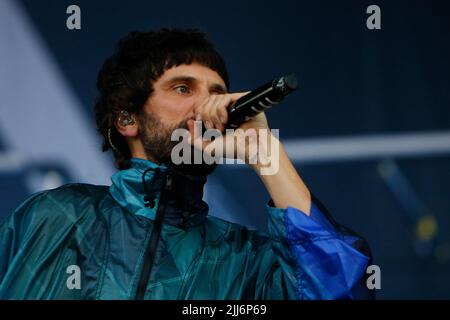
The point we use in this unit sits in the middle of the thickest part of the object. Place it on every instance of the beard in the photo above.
(157, 143)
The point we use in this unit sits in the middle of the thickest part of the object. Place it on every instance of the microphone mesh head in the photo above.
(291, 81)
(287, 84)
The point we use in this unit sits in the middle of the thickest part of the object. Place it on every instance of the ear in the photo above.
(129, 130)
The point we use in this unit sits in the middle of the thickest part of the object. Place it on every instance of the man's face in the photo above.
(175, 95)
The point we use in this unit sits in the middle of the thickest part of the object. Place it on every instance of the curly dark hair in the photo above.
(125, 81)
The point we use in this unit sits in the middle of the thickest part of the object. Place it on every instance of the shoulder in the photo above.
(72, 193)
(62, 206)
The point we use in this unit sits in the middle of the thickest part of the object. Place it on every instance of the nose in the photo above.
(203, 94)
(200, 97)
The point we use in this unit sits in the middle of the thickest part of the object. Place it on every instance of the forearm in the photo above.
(285, 185)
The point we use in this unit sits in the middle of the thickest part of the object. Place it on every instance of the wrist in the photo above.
(267, 153)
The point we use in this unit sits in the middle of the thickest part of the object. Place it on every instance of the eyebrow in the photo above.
(192, 80)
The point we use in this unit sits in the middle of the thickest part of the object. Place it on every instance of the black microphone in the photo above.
(260, 99)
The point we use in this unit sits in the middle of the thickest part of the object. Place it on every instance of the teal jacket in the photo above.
(149, 236)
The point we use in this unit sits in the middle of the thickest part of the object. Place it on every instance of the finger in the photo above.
(195, 135)
(198, 110)
(215, 147)
(216, 113)
(192, 130)
(206, 111)
(235, 96)
(223, 113)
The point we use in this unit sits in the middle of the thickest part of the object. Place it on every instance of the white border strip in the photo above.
(367, 147)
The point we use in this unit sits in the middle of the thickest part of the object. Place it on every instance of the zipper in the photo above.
(150, 252)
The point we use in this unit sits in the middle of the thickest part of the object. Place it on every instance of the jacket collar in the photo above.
(184, 206)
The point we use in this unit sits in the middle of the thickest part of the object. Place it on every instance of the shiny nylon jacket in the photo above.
(149, 236)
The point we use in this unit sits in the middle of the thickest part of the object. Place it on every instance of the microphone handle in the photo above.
(260, 99)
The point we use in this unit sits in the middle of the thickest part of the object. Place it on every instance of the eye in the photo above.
(182, 89)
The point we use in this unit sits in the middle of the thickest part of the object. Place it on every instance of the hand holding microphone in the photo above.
(260, 100)
(231, 110)
(236, 110)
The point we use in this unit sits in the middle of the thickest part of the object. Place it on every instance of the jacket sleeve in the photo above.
(322, 259)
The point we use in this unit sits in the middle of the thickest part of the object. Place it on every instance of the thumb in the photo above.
(195, 134)
(235, 96)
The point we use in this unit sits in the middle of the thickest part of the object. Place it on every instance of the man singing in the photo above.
(149, 235)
